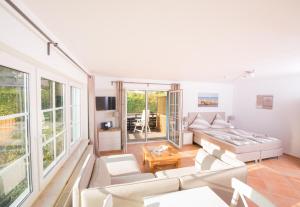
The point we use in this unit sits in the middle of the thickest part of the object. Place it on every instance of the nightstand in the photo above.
(187, 137)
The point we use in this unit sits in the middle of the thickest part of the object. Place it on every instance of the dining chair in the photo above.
(242, 190)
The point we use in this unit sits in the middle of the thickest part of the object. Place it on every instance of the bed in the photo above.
(240, 144)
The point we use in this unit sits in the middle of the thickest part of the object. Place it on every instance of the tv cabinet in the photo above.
(109, 139)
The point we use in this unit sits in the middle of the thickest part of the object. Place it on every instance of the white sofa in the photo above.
(106, 171)
(211, 169)
(117, 169)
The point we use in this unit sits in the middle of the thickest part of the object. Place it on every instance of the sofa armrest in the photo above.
(131, 178)
(94, 197)
(128, 194)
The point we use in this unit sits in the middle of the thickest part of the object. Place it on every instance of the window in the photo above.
(15, 180)
(53, 122)
(75, 114)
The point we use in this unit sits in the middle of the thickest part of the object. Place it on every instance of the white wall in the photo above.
(103, 87)
(21, 41)
(283, 121)
(22, 48)
(190, 96)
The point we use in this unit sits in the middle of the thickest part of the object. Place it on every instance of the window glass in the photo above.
(14, 137)
(47, 125)
(47, 93)
(59, 120)
(11, 91)
(60, 144)
(53, 122)
(48, 154)
(12, 140)
(59, 90)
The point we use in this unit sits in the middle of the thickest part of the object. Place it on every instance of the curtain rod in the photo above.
(50, 41)
(143, 83)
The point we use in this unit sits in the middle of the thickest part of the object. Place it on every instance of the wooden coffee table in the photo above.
(168, 157)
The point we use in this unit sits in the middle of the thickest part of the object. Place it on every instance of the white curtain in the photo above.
(92, 110)
(121, 111)
(175, 86)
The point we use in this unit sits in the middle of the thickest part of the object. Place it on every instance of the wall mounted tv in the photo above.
(105, 103)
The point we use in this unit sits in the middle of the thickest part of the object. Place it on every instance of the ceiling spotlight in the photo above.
(248, 74)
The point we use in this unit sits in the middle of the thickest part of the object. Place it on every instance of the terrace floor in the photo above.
(151, 136)
(277, 179)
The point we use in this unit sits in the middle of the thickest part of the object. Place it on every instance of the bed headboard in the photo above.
(208, 116)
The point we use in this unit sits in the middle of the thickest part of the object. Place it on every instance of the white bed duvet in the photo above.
(240, 137)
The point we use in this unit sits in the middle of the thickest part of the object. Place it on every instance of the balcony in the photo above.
(157, 126)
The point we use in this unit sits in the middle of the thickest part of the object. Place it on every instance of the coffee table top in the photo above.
(170, 153)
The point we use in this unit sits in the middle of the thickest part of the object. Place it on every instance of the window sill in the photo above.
(51, 193)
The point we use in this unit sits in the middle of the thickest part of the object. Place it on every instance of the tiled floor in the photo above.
(277, 179)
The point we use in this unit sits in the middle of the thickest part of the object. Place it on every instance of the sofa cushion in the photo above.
(123, 164)
(100, 176)
(223, 155)
(206, 161)
(108, 167)
(131, 178)
(129, 194)
(173, 173)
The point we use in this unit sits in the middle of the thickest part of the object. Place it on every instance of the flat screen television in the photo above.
(104, 103)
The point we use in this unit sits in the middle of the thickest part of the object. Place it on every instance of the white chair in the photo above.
(142, 122)
(242, 190)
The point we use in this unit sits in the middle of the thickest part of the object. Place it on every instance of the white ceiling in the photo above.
(177, 39)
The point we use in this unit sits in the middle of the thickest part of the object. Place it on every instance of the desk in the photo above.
(203, 196)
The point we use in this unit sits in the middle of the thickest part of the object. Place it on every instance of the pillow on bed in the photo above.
(199, 123)
(220, 123)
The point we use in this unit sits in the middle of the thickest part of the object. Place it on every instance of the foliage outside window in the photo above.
(75, 114)
(136, 101)
(53, 122)
(14, 137)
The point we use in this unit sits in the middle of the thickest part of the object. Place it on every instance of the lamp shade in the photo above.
(230, 118)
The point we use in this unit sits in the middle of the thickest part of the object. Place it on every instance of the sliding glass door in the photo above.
(136, 116)
(175, 118)
(157, 121)
(146, 116)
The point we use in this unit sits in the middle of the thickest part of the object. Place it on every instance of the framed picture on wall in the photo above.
(264, 102)
(208, 100)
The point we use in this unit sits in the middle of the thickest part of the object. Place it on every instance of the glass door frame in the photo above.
(146, 91)
(177, 116)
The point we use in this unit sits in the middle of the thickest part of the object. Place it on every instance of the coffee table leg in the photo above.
(177, 164)
(152, 167)
(144, 158)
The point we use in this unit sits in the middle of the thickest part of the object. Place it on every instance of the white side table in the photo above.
(187, 137)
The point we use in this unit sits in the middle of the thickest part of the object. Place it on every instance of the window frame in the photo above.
(74, 141)
(35, 70)
(57, 159)
(28, 136)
